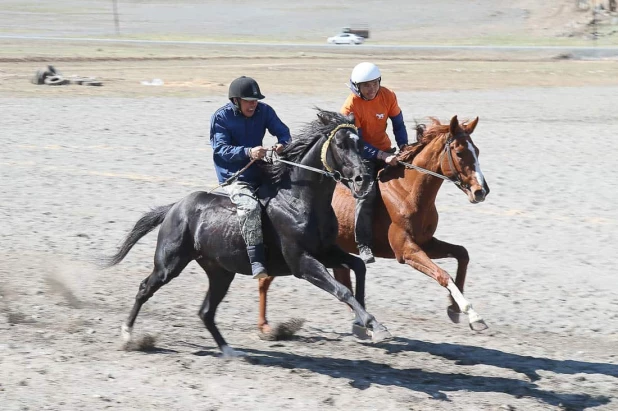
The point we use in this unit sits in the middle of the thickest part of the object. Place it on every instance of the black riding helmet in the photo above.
(245, 88)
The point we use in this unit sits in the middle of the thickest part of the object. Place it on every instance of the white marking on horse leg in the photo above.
(126, 332)
(473, 316)
(463, 304)
(461, 301)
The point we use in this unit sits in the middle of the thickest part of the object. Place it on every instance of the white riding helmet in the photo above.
(362, 73)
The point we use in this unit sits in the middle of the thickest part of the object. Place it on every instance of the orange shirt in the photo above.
(371, 115)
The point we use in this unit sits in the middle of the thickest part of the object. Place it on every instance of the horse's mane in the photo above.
(424, 135)
(297, 148)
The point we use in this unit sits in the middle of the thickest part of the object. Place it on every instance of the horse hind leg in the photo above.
(263, 286)
(219, 281)
(167, 267)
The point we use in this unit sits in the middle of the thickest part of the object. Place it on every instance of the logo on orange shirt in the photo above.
(380, 116)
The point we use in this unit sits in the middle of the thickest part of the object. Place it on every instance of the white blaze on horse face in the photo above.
(354, 137)
(477, 166)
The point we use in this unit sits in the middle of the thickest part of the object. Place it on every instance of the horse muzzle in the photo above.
(361, 185)
(477, 194)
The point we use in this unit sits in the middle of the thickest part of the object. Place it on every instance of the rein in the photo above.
(335, 175)
(233, 177)
(455, 180)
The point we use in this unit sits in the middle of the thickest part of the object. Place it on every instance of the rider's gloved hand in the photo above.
(257, 153)
(279, 148)
(390, 159)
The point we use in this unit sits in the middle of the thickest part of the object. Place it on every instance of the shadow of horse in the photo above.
(523, 364)
(363, 373)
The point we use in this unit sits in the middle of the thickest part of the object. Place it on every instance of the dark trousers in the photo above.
(363, 213)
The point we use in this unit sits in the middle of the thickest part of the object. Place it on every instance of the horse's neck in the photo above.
(310, 186)
(418, 189)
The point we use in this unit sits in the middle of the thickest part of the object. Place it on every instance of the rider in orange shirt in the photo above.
(372, 105)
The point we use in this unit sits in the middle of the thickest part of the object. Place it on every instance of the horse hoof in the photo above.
(379, 336)
(229, 352)
(125, 331)
(284, 331)
(360, 332)
(269, 335)
(455, 315)
(478, 325)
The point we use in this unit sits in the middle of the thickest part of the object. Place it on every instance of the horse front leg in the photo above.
(263, 285)
(412, 254)
(343, 276)
(315, 272)
(437, 249)
(342, 262)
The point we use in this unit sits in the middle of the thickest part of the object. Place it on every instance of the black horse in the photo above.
(299, 224)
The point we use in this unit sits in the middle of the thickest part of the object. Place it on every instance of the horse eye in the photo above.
(459, 154)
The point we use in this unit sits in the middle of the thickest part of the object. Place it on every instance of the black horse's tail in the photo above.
(144, 225)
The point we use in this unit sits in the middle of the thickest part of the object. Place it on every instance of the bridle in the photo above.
(329, 172)
(455, 178)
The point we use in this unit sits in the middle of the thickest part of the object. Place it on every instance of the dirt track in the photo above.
(77, 172)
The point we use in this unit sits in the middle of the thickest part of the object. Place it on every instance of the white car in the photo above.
(345, 38)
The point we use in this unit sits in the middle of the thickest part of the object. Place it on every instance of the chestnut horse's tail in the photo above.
(144, 225)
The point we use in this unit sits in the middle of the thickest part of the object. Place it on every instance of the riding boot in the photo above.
(257, 259)
(363, 221)
(365, 253)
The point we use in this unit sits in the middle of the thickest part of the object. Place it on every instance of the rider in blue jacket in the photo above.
(236, 133)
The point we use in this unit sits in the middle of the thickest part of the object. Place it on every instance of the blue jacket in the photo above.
(232, 136)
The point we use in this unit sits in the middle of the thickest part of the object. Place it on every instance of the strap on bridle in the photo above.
(455, 179)
(335, 175)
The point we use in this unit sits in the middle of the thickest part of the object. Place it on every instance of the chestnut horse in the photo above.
(405, 218)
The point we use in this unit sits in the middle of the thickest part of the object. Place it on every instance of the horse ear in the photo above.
(325, 117)
(454, 126)
(471, 125)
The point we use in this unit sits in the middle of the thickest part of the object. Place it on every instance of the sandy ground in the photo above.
(77, 172)
(80, 165)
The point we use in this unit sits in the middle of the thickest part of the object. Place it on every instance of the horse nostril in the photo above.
(479, 195)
